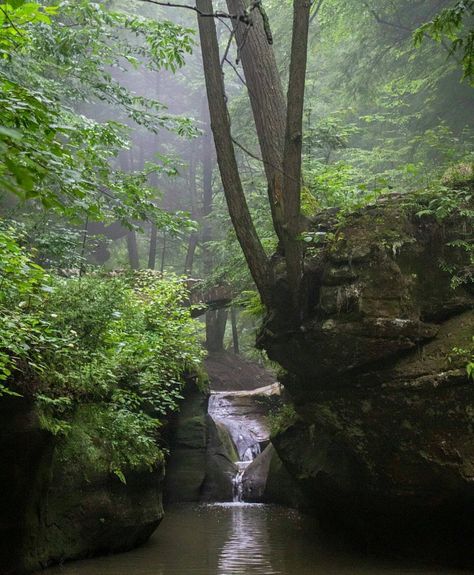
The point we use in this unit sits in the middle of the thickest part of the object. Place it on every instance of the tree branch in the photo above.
(410, 31)
(238, 74)
(245, 17)
(316, 12)
(381, 20)
(255, 157)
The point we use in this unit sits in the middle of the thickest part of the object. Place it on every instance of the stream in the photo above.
(237, 539)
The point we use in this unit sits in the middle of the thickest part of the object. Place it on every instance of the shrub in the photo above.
(105, 357)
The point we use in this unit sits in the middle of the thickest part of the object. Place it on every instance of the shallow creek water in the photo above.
(237, 539)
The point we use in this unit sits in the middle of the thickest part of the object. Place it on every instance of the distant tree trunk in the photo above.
(153, 246)
(235, 333)
(257, 260)
(193, 238)
(163, 253)
(154, 182)
(207, 199)
(266, 98)
(190, 252)
(216, 321)
(132, 248)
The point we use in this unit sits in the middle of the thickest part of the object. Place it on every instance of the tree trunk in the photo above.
(132, 248)
(163, 253)
(257, 260)
(152, 251)
(294, 146)
(189, 263)
(266, 98)
(195, 214)
(216, 321)
(207, 199)
(235, 332)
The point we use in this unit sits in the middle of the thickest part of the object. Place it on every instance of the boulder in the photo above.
(220, 464)
(266, 480)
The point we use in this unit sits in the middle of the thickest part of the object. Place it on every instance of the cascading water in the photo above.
(250, 454)
(237, 481)
(247, 427)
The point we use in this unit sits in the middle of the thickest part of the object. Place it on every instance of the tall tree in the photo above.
(239, 212)
(266, 96)
(280, 138)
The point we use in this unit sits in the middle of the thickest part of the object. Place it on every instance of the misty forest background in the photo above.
(107, 164)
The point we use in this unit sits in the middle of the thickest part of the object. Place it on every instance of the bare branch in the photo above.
(245, 17)
(247, 151)
(229, 43)
(406, 29)
(316, 12)
(238, 74)
(255, 157)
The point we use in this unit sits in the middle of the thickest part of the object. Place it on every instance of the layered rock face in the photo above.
(383, 442)
(50, 512)
(201, 465)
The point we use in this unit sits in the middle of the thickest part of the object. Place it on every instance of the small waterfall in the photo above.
(238, 480)
(249, 455)
(246, 423)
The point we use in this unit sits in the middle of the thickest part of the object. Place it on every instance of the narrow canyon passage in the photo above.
(237, 537)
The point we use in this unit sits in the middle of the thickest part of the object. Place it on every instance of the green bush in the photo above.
(104, 357)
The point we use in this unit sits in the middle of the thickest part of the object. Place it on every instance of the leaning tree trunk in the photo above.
(266, 98)
(252, 248)
(294, 146)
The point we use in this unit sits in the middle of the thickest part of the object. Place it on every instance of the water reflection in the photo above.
(237, 539)
(247, 549)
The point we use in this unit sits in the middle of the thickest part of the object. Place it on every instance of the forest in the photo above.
(236, 287)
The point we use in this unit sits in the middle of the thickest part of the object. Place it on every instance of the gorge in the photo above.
(236, 287)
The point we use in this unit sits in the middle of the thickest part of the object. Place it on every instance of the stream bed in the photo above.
(238, 539)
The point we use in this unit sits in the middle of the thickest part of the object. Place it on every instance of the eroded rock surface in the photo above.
(216, 436)
(376, 366)
(51, 512)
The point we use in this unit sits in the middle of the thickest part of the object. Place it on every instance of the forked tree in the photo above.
(278, 121)
(279, 129)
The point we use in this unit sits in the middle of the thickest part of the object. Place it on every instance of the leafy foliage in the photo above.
(107, 353)
(22, 284)
(51, 153)
(453, 24)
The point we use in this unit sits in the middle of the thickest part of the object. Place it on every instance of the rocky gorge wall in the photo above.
(54, 509)
(382, 442)
(51, 512)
